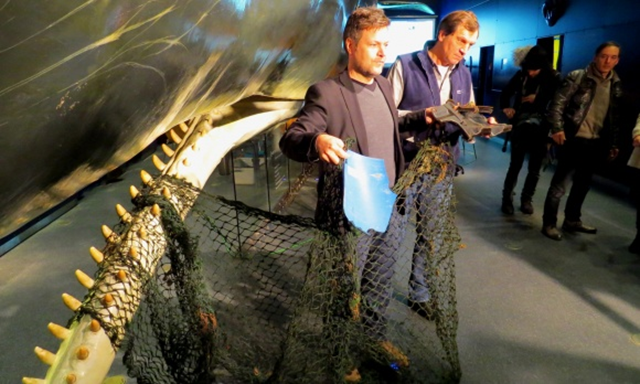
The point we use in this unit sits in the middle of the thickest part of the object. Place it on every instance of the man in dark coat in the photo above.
(524, 101)
(584, 124)
(359, 104)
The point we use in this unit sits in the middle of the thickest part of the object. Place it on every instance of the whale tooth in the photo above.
(107, 300)
(82, 353)
(95, 326)
(108, 234)
(45, 356)
(84, 279)
(123, 214)
(71, 302)
(166, 193)
(167, 150)
(142, 233)
(31, 380)
(59, 331)
(122, 275)
(71, 378)
(133, 191)
(97, 256)
(155, 210)
(184, 127)
(186, 162)
(146, 177)
(157, 162)
(133, 252)
(173, 135)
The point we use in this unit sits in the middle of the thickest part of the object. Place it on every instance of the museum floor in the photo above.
(532, 310)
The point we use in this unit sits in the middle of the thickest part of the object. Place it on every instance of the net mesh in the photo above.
(243, 295)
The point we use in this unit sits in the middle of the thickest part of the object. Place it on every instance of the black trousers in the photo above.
(525, 139)
(577, 161)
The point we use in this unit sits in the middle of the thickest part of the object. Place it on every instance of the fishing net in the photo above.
(243, 295)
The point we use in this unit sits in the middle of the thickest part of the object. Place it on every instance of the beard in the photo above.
(369, 71)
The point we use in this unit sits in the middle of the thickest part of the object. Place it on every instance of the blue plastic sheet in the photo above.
(368, 201)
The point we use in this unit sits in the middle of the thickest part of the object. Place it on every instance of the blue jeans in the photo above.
(376, 260)
(431, 200)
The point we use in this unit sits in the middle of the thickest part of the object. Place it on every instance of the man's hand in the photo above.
(636, 141)
(330, 148)
(428, 116)
(509, 112)
(529, 98)
(559, 137)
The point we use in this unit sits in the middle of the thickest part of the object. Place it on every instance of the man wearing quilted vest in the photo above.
(420, 80)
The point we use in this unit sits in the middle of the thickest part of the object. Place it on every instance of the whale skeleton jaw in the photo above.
(89, 344)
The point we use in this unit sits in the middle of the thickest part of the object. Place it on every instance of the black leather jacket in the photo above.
(570, 105)
(549, 81)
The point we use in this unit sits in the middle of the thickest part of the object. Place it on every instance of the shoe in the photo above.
(507, 207)
(425, 309)
(552, 232)
(577, 226)
(635, 246)
(526, 207)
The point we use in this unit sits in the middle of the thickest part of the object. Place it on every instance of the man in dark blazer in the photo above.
(359, 104)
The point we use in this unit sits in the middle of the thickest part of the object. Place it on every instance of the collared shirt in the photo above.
(594, 121)
(442, 73)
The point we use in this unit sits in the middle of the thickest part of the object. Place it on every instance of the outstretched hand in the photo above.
(330, 149)
(509, 112)
(559, 138)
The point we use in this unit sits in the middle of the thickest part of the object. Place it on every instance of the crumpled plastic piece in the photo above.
(469, 118)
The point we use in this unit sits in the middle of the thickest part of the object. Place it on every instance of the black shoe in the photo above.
(552, 232)
(425, 309)
(526, 207)
(507, 207)
(577, 226)
(635, 246)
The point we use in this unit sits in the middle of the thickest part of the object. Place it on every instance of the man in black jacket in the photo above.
(359, 104)
(584, 124)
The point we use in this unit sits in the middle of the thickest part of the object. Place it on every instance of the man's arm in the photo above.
(306, 139)
(299, 141)
(507, 93)
(558, 104)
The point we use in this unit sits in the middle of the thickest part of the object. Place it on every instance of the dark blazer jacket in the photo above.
(331, 107)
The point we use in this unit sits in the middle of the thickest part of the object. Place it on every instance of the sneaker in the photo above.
(578, 226)
(552, 232)
(526, 207)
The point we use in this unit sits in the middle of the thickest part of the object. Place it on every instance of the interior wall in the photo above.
(508, 24)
